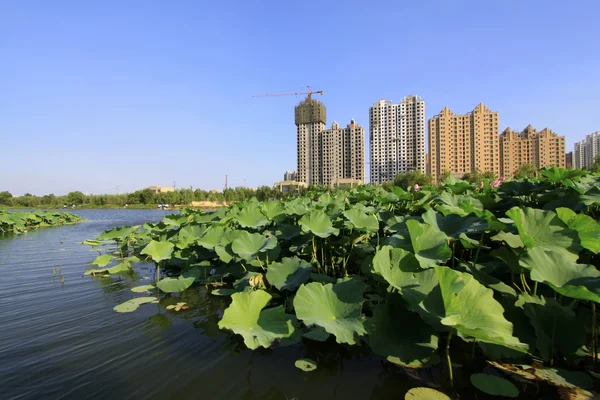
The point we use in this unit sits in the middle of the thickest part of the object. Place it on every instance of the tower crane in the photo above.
(308, 94)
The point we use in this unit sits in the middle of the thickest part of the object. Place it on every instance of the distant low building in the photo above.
(161, 189)
(346, 183)
(289, 186)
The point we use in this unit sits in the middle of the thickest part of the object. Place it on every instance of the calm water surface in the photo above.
(65, 341)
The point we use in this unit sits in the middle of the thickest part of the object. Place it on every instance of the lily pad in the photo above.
(103, 260)
(306, 364)
(174, 285)
(178, 307)
(494, 385)
(142, 289)
(563, 378)
(425, 393)
(133, 304)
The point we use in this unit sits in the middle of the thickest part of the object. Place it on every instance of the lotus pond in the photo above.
(471, 291)
(20, 222)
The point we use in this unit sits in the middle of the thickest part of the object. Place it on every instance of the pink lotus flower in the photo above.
(481, 185)
(417, 187)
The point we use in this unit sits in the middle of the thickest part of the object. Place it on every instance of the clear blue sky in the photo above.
(95, 94)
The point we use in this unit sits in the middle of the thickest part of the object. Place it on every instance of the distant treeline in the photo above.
(140, 197)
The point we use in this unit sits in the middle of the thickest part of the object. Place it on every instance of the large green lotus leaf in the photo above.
(287, 231)
(543, 228)
(158, 251)
(587, 228)
(591, 197)
(119, 233)
(289, 274)
(430, 245)
(319, 334)
(548, 317)
(188, 235)
(252, 217)
(248, 245)
(103, 260)
(558, 270)
(494, 385)
(212, 236)
(396, 266)
(142, 288)
(336, 308)
(272, 209)
(174, 285)
(452, 203)
(563, 378)
(223, 248)
(246, 317)
(174, 219)
(133, 304)
(318, 223)
(361, 220)
(120, 268)
(401, 335)
(470, 308)
(454, 225)
(511, 239)
(555, 174)
(397, 224)
(296, 207)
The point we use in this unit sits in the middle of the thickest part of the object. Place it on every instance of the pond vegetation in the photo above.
(495, 284)
(20, 222)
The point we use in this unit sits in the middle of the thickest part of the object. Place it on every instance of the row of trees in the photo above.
(147, 197)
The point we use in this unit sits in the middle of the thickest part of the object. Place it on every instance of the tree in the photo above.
(409, 179)
(595, 167)
(478, 176)
(6, 198)
(525, 171)
(75, 197)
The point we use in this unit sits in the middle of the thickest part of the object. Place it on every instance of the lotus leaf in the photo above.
(454, 225)
(289, 274)
(430, 245)
(133, 304)
(587, 228)
(142, 289)
(188, 235)
(396, 266)
(91, 242)
(158, 251)
(563, 378)
(336, 308)
(554, 325)
(425, 393)
(174, 285)
(212, 236)
(318, 223)
(246, 317)
(249, 245)
(561, 273)
(361, 220)
(401, 335)
(103, 260)
(306, 364)
(494, 385)
(272, 209)
(252, 217)
(178, 307)
(118, 233)
(542, 228)
(319, 334)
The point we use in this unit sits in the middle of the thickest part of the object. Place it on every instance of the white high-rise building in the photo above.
(586, 151)
(397, 138)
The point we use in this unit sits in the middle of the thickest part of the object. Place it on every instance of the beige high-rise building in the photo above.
(396, 138)
(326, 155)
(540, 149)
(586, 151)
(464, 143)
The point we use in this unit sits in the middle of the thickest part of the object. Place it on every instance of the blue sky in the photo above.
(137, 93)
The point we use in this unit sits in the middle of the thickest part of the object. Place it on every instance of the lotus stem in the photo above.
(535, 288)
(594, 337)
(260, 263)
(450, 374)
(553, 337)
(478, 248)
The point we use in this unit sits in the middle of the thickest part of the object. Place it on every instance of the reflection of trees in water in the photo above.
(157, 323)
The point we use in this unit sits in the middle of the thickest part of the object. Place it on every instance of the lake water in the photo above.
(61, 341)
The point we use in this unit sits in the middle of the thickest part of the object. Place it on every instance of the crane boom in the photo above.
(308, 94)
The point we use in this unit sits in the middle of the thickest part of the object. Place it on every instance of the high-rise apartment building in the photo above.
(326, 155)
(397, 138)
(290, 176)
(586, 151)
(464, 143)
(569, 160)
(540, 149)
